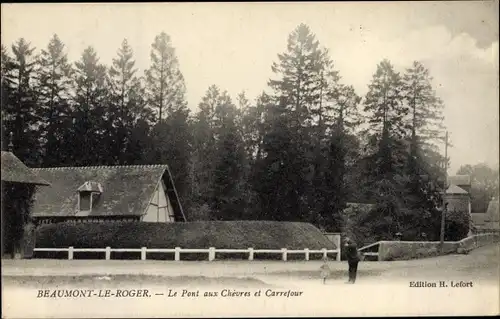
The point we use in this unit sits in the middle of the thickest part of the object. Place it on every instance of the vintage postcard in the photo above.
(251, 159)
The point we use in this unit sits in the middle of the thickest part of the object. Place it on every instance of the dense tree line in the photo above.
(298, 152)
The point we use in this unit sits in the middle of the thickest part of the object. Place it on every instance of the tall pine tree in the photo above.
(21, 115)
(171, 136)
(7, 90)
(425, 120)
(297, 95)
(228, 197)
(332, 189)
(53, 87)
(128, 107)
(386, 114)
(425, 116)
(92, 125)
(165, 83)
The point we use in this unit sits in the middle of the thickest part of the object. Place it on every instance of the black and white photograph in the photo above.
(249, 159)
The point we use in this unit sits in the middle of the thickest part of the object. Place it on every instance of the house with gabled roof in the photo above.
(458, 193)
(458, 196)
(144, 193)
(462, 181)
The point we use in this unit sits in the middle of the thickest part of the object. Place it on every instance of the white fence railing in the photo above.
(210, 251)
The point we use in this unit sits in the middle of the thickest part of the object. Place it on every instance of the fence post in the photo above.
(250, 253)
(177, 253)
(143, 253)
(324, 253)
(70, 253)
(307, 253)
(211, 253)
(284, 253)
(108, 253)
(380, 252)
(339, 248)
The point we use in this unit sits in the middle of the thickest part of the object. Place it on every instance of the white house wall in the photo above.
(160, 209)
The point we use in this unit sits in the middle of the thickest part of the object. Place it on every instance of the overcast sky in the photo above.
(233, 46)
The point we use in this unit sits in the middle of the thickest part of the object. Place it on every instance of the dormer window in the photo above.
(87, 195)
(85, 202)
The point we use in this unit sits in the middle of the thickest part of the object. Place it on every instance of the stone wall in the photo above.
(404, 250)
(479, 240)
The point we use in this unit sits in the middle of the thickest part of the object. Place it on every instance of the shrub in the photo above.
(457, 225)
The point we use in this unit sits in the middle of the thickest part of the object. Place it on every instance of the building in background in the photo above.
(462, 181)
(488, 221)
(144, 193)
(458, 197)
(458, 193)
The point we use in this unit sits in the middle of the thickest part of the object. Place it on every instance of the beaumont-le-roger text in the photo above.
(171, 293)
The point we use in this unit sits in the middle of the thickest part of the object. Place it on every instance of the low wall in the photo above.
(486, 230)
(404, 250)
(475, 241)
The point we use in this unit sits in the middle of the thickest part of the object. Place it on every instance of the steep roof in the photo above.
(455, 190)
(127, 190)
(14, 171)
(459, 180)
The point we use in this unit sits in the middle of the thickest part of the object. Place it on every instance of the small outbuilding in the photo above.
(19, 183)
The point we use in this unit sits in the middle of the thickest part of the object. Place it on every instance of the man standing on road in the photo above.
(351, 251)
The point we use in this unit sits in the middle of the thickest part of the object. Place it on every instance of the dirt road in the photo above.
(383, 288)
(481, 263)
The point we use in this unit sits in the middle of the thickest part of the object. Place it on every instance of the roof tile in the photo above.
(127, 190)
(453, 189)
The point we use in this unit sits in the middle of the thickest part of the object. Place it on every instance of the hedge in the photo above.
(201, 235)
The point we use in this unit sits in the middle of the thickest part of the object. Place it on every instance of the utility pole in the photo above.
(443, 210)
